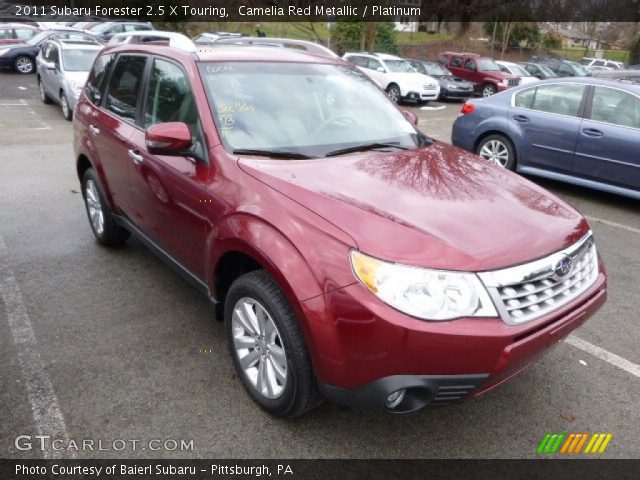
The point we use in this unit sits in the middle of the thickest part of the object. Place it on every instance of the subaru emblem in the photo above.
(563, 267)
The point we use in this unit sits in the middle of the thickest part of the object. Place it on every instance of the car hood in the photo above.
(438, 207)
(413, 78)
(76, 77)
(452, 79)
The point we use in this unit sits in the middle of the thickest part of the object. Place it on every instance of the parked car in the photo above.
(105, 30)
(350, 254)
(585, 132)
(538, 70)
(566, 68)
(63, 67)
(600, 63)
(450, 87)
(306, 46)
(16, 33)
(21, 57)
(627, 76)
(515, 69)
(484, 73)
(210, 38)
(396, 76)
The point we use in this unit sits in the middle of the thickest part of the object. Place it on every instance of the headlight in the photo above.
(3, 51)
(505, 82)
(421, 292)
(452, 86)
(76, 88)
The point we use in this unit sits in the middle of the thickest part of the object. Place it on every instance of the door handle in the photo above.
(136, 157)
(521, 118)
(95, 130)
(592, 132)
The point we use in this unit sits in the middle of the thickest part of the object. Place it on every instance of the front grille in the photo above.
(526, 292)
(513, 82)
(429, 87)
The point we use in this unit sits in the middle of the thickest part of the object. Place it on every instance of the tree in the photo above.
(550, 41)
(374, 36)
(512, 34)
(634, 48)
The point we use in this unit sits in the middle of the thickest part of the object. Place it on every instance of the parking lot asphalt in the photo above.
(109, 344)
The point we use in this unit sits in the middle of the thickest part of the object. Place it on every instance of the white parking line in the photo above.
(46, 412)
(5, 104)
(602, 354)
(612, 224)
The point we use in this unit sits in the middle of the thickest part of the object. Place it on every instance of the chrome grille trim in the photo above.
(526, 292)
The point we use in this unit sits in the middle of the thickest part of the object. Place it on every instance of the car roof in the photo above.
(380, 56)
(589, 81)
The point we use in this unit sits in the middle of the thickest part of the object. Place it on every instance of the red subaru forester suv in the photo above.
(351, 256)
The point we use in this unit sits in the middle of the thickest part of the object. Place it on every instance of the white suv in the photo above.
(396, 76)
(601, 64)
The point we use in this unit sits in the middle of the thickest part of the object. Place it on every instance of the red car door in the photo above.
(167, 192)
(113, 125)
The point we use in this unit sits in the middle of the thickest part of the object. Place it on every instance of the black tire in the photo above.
(394, 93)
(24, 64)
(512, 156)
(112, 233)
(488, 89)
(66, 113)
(43, 94)
(300, 392)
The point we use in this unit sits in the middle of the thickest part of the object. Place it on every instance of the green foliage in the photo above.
(521, 32)
(346, 36)
(550, 41)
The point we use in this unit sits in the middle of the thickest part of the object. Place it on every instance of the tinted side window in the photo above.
(97, 77)
(615, 106)
(6, 33)
(169, 97)
(54, 55)
(375, 64)
(524, 98)
(456, 62)
(443, 60)
(565, 69)
(562, 98)
(470, 65)
(24, 33)
(124, 86)
(531, 69)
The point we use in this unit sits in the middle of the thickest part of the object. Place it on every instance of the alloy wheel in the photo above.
(94, 206)
(24, 65)
(259, 348)
(394, 94)
(488, 91)
(495, 151)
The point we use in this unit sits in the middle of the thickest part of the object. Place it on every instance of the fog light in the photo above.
(395, 398)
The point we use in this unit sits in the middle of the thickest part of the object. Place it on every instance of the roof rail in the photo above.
(304, 46)
(173, 39)
(74, 36)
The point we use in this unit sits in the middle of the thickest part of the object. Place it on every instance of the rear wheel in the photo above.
(488, 89)
(104, 226)
(499, 150)
(24, 64)
(267, 346)
(43, 94)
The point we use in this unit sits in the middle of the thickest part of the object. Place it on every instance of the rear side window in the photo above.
(97, 77)
(614, 106)
(524, 98)
(24, 33)
(561, 99)
(470, 65)
(124, 86)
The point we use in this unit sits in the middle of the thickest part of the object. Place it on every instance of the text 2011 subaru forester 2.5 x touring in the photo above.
(352, 256)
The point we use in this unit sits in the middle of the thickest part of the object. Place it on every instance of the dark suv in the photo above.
(350, 255)
(483, 72)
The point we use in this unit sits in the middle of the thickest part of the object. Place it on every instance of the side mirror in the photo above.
(172, 138)
(411, 117)
(49, 65)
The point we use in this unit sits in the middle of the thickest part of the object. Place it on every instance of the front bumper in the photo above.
(366, 350)
(459, 94)
(422, 95)
(6, 63)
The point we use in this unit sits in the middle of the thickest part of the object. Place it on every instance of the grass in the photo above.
(576, 53)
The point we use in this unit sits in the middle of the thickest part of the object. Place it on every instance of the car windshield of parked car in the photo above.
(399, 66)
(436, 70)
(546, 70)
(78, 60)
(582, 72)
(304, 108)
(485, 65)
(518, 70)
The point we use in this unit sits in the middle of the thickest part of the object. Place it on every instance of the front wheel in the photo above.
(267, 346)
(499, 150)
(64, 105)
(24, 64)
(393, 91)
(488, 89)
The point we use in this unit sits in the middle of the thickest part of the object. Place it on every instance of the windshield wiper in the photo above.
(271, 153)
(366, 146)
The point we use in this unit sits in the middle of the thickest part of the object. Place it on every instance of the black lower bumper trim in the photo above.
(421, 391)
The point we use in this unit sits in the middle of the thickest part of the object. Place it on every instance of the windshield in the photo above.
(583, 72)
(546, 70)
(399, 66)
(485, 65)
(78, 60)
(37, 38)
(304, 108)
(584, 61)
(100, 27)
(436, 70)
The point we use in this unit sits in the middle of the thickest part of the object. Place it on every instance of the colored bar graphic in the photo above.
(573, 443)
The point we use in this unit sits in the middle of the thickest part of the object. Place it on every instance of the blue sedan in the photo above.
(584, 131)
